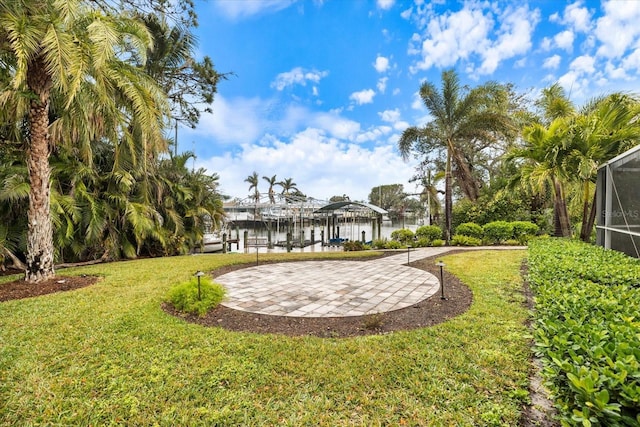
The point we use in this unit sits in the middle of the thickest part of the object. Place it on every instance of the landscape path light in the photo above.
(441, 265)
(199, 274)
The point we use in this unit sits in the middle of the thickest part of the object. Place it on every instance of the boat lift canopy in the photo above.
(339, 205)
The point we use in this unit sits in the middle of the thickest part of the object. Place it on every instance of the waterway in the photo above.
(349, 230)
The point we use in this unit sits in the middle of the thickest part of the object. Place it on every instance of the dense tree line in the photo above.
(87, 93)
(503, 159)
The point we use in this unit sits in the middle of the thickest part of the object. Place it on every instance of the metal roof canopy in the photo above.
(339, 205)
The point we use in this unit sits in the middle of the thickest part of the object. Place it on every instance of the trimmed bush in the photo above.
(354, 245)
(438, 242)
(184, 296)
(587, 331)
(379, 244)
(461, 240)
(429, 232)
(523, 231)
(402, 235)
(422, 243)
(393, 244)
(497, 232)
(470, 229)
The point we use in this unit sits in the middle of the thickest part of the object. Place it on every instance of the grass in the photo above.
(108, 355)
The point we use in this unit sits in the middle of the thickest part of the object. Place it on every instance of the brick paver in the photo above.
(331, 288)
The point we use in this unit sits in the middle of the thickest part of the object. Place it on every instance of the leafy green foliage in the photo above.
(429, 232)
(470, 229)
(523, 231)
(393, 244)
(379, 244)
(497, 232)
(438, 242)
(586, 330)
(462, 240)
(403, 235)
(353, 245)
(187, 298)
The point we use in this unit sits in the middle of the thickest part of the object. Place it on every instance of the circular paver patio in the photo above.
(330, 288)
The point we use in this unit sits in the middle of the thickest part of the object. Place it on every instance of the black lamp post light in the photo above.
(199, 274)
(441, 265)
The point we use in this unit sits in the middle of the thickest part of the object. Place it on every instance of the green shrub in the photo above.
(470, 229)
(429, 232)
(184, 296)
(437, 242)
(422, 243)
(393, 244)
(403, 235)
(379, 243)
(497, 232)
(353, 245)
(523, 231)
(586, 330)
(461, 240)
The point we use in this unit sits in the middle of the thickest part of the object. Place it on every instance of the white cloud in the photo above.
(617, 73)
(242, 9)
(390, 116)
(299, 76)
(235, 121)
(583, 64)
(417, 103)
(453, 36)
(322, 166)
(382, 84)
(552, 62)
(385, 4)
(515, 32)
(469, 33)
(564, 40)
(382, 64)
(618, 28)
(578, 17)
(363, 97)
(374, 134)
(632, 61)
(335, 125)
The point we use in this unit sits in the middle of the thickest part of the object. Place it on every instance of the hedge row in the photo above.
(496, 232)
(587, 330)
(426, 235)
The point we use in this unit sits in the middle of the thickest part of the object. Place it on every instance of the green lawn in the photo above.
(108, 355)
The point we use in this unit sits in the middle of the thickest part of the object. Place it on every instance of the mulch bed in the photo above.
(19, 289)
(428, 312)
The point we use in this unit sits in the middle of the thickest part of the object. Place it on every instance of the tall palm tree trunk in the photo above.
(40, 233)
(448, 199)
(589, 220)
(466, 180)
(561, 215)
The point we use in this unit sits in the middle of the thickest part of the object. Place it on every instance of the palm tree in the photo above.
(604, 128)
(461, 117)
(272, 182)
(253, 185)
(61, 52)
(188, 83)
(288, 186)
(430, 193)
(543, 156)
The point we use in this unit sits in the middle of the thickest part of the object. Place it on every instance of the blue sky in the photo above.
(323, 88)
